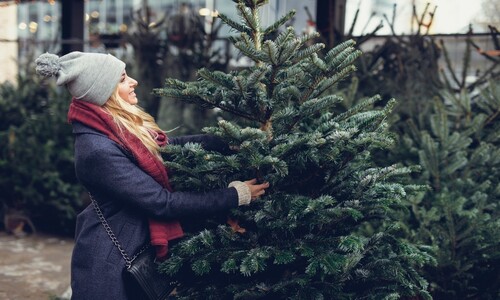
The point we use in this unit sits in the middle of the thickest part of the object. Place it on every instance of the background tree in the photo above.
(175, 46)
(459, 150)
(37, 176)
(151, 51)
(446, 123)
(325, 229)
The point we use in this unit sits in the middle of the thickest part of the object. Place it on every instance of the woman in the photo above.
(117, 159)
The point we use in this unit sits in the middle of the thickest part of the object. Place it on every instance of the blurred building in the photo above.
(8, 49)
(40, 26)
(30, 27)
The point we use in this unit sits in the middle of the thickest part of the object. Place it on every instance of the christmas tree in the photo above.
(459, 150)
(326, 227)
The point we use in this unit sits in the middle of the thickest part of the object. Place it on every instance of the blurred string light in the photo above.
(33, 26)
(205, 12)
(94, 15)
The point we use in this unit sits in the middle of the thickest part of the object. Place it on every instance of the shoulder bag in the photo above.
(141, 274)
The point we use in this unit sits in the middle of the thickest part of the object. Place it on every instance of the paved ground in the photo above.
(34, 267)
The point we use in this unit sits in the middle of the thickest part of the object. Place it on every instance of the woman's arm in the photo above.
(110, 175)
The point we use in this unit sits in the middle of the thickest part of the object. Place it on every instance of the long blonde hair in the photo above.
(134, 119)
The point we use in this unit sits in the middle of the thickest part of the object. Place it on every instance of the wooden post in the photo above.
(72, 24)
(330, 20)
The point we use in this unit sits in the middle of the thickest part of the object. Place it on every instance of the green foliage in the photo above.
(326, 227)
(36, 156)
(459, 151)
(454, 137)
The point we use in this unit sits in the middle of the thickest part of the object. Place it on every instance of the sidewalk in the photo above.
(34, 267)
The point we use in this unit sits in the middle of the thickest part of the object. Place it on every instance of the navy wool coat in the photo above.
(128, 197)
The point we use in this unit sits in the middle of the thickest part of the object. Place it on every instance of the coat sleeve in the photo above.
(111, 174)
(207, 141)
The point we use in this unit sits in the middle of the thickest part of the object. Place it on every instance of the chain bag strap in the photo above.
(109, 231)
(141, 269)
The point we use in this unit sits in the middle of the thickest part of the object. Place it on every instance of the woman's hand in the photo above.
(256, 190)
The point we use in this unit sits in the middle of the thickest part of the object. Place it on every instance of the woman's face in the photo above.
(126, 88)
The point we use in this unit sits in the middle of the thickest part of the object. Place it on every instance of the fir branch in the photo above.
(235, 39)
(349, 60)
(367, 120)
(311, 88)
(275, 26)
(318, 62)
(328, 82)
(240, 113)
(358, 108)
(439, 123)
(217, 77)
(288, 51)
(234, 25)
(303, 53)
(313, 106)
(246, 39)
(339, 58)
(250, 51)
(255, 261)
(240, 88)
(288, 93)
(325, 84)
(249, 18)
(185, 96)
(257, 75)
(285, 36)
(175, 84)
(303, 39)
(231, 129)
(272, 52)
(330, 55)
(284, 116)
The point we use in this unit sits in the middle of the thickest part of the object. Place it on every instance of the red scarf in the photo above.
(94, 116)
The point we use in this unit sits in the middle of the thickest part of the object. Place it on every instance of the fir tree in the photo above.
(325, 228)
(459, 150)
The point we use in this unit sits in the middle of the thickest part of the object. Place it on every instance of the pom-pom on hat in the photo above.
(90, 77)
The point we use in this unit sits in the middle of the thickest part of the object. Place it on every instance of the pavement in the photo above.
(34, 267)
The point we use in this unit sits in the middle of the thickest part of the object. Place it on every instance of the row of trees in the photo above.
(370, 197)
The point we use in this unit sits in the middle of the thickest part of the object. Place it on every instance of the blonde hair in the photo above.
(135, 120)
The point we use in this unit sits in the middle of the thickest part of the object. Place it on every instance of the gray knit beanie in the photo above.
(90, 77)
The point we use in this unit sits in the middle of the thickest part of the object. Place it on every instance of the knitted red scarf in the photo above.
(94, 116)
